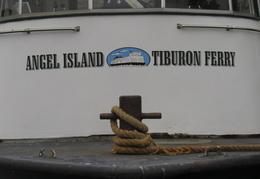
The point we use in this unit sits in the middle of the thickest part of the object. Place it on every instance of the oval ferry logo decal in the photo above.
(128, 57)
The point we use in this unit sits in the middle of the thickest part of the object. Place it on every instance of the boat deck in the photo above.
(79, 158)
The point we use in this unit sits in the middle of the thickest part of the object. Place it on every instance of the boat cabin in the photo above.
(63, 62)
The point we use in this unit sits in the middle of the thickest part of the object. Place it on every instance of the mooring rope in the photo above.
(139, 142)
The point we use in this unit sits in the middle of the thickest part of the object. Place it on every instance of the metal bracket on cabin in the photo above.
(29, 30)
(53, 153)
(227, 27)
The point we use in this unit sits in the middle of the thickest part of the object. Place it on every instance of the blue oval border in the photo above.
(124, 52)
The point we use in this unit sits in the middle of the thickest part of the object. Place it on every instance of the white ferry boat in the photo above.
(64, 62)
(201, 65)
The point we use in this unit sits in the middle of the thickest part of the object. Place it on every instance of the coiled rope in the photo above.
(138, 142)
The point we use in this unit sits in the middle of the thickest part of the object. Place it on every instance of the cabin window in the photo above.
(11, 7)
(257, 4)
(8, 8)
(198, 4)
(126, 4)
(243, 6)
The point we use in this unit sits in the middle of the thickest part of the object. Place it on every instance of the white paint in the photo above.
(90, 4)
(67, 102)
(20, 6)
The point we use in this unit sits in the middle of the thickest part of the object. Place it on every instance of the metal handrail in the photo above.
(29, 30)
(228, 27)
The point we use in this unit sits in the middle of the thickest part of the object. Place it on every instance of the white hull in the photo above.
(193, 99)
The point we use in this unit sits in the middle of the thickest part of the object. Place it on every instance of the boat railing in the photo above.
(29, 30)
(227, 27)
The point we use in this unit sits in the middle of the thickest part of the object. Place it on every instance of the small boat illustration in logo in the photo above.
(128, 57)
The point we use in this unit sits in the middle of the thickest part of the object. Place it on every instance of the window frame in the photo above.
(163, 10)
